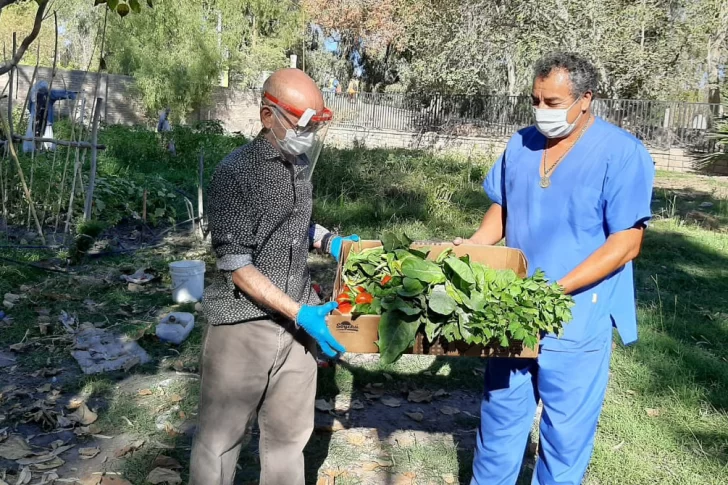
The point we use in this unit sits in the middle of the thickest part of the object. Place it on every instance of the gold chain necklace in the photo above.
(545, 179)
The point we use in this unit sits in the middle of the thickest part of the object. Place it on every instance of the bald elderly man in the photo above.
(259, 350)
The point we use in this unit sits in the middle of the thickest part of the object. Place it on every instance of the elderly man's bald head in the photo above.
(295, 88)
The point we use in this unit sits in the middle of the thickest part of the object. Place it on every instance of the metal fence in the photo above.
(659, 124)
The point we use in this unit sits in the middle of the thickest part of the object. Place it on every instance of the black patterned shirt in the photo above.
(259, 212)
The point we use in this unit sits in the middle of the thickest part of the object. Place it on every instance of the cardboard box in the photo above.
(359, 335)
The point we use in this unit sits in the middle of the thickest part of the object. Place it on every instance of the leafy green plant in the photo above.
(86, 235)
(451, 297)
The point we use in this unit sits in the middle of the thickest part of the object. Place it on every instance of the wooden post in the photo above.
(200, 209)
(11, 78)
(29, 199)
(94, 153)
(144, 206)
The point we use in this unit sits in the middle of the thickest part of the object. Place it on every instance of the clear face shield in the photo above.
(305, 132)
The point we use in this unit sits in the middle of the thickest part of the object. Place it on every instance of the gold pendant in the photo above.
(545, 182)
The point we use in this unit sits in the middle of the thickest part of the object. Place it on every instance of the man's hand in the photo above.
(313, 320)
(458, 241)
(337, 242)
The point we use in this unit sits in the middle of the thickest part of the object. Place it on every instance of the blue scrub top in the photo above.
(602, 186)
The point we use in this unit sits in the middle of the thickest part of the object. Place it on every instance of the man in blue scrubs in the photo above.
(573, 193)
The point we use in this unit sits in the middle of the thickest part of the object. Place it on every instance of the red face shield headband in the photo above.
(306, 116)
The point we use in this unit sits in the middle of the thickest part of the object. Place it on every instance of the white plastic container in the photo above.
(175, 327)
(188, 280)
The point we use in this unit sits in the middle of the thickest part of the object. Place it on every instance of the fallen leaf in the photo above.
(378, 385)
(163, 475)
(83, 415)
(449, 410)
(427, 373)
(14, 448)
(104, 480)
(441, 393)
(387, 376)
(163, 461)
(43, 328)
(24, 477)
(49, 465)
(415, 416)
(617, 447)
(324, 405)
(371, 396)
(419, 396)
(145, 392)
(176, 398)
(356, 439)
(63, 422)
(653, 413)
(34, 460)
(370, 466)
(391, 402)
(44, 388)
(131, 447)
(448, 478)
(88, 453)
(356, 404)
(384, 462)
(404, 479)
(19, 347)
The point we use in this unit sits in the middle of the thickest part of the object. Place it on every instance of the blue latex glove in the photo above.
(337, 242)
(313, 320)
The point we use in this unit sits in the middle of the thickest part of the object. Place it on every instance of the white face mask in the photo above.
(292, 143)
(554, 123)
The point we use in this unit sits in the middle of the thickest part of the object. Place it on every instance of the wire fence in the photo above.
(659, 124)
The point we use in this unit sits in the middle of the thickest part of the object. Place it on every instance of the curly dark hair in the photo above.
(582, 73)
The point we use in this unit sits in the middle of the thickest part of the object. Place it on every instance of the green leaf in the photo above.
(396, 334)
(135, 6)
(392, 241)
(418, 253)
(159, 212)
(425, 271)
(401, 305)
(443, 255)
(440, 302)
(432, 330)
(479, 273)
(461, 269)
(504, 342)
(369, 269)
(96, 2)
(454, 293)
(149, 4)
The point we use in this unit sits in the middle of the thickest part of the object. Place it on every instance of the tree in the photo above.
(172, 53)
(121, 7)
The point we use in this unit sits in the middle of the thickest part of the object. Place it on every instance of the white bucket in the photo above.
(188, 280)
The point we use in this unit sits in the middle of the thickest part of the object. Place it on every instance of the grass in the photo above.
(665, 418)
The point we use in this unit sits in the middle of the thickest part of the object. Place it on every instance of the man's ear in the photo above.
(266, 117)
(586, 100)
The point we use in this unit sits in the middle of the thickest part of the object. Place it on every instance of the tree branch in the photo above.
(28, 40)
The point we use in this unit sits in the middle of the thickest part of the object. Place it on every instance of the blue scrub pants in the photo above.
(571, 386)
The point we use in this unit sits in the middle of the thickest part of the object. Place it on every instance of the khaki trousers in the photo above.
(252, 368)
